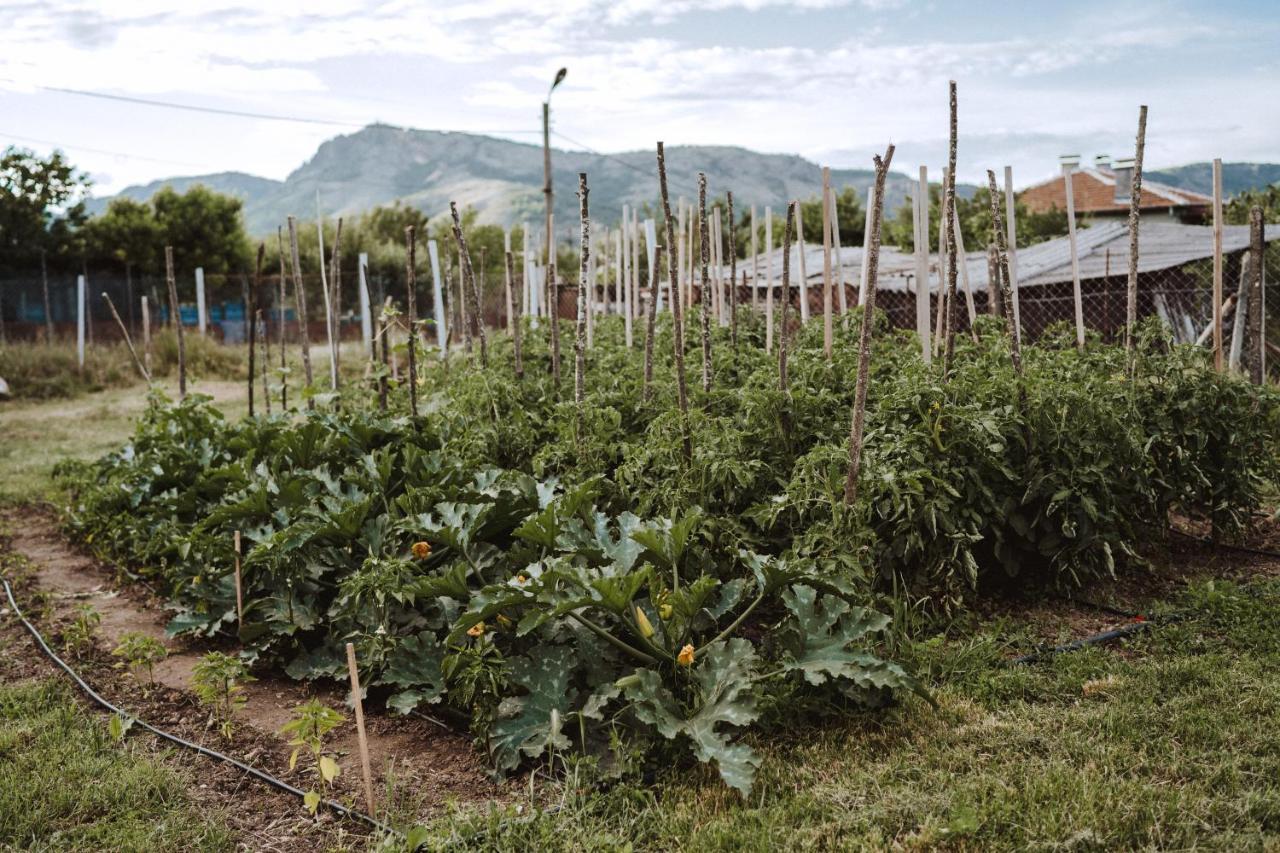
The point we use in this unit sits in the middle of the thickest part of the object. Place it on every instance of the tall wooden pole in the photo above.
(768, 280)
(921, 242)
(300, 291)
(580, 332)
(1135, 203)
(827, 301)
(177, 321)
(411, 288)
(1011, 240)
(677, 315)
(1075, 259)
(1217, 263)
(949, 249)
(704, 255)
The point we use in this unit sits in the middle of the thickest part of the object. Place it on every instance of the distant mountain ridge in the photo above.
(1236, 177)
(379, 164)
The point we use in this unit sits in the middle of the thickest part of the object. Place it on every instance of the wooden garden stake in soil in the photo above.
(704, 247)
(284, 383)
(48, 312)
(146, 334)
(804, 273)
(950, 250)
(1254, 333)
(1002, 256)
(146, 374)
(1011, 240)
(251, 312)
(266, 355)
(677, 314)
(1075, 260)
(768, 280)
(995, 304)
(177, 321)
(650, 325)
(866, 244)
(239, 585)
(864, 337)
(335, 303)
(733, 278)
(962, 260)
(1135, 202)
(580, 333)
(839, 271)
(786, 295)
(515, 335)
(411, 287)
(361, 739)
(1217, 263)
(300, 291)
(473, 292)
(755, 262)
(827, 301)
(940, 316)
(920, 242)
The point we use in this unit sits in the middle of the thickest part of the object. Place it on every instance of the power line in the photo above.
(103, 151)
(591, 150)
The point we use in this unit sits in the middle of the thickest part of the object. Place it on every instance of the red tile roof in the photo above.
(1095, 191)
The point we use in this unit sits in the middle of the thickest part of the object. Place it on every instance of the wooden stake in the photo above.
(649, 331)
(266, 355)
(1217, 263)
(1002, 257)
(948, 247)
(1255, 331)
(704, 250)
(473, 291)
(788, 230)
(804, 272)
(361, 739)
(677, 317)
(80, 320)
(768, 280)
(177, 321)
(335, 302)
(962, 259)
(239, 585)
(755, 264)
(864, 339)
(438, 311)
(922, 264)
(146, 374)
(866, 245)
(733, 277)
(1011, 240)
(1135, 203)
(146, 334)
(411, 289)
(580, 335)
(284, 361)
(1075, 260)
(300, 291)
(515, 338)
(839, 268)
(827, 300)
(624, 275)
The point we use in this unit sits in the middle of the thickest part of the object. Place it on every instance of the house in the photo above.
(1102, 191)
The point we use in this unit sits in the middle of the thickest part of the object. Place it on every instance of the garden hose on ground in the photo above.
(337, 807)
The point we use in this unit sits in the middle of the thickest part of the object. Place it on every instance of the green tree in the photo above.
(41, 207)
(205, 229)
(974, 217)
(126, 233)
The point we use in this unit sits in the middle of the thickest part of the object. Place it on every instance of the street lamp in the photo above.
(546, 161)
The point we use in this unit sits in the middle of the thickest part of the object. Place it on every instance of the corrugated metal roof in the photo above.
(1101, 247)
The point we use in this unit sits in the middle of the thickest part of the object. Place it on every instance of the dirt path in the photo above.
(432, 763)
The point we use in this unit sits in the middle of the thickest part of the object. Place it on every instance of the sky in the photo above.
(832, 80)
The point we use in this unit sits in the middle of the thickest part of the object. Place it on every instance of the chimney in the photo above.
(1070, 162)
(1102, 161)
(1124, 179)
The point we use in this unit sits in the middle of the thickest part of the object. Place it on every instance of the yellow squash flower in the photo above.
(421, 550)
(476, 630)
(685, 658)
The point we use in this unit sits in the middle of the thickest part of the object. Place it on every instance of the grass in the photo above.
(1171, 745)
(67, 785)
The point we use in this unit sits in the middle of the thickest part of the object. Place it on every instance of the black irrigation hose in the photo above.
(1204, 540)
(1095, 640)
(257, 774)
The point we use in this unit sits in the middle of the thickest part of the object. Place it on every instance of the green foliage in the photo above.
(568, 571)
(311, 723)
(41, 206)
(139, 652)
(218, 680)
(974, 217)
(77, 637)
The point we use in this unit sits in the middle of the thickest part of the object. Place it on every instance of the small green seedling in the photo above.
(311, 722)
(139, 652)
(77, 639)
(218, 680)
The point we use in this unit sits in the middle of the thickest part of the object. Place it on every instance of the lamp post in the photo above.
(546, 161)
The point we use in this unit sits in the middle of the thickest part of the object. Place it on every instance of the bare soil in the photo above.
(424, 764)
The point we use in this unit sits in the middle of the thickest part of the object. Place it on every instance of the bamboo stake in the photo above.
(704, 257)
(827, 300)
(1075, 260)
(755, 263)
(177, 321)
(733, 277)
(580, 336)
(1135, 203)
(768, 280)
(361, 738)
(473, 291)
(864, 340)
(239, 585)
(411, 288)
(1217, 263)
(950, 249)
(677, 316)
(300, 291)
(146, 374)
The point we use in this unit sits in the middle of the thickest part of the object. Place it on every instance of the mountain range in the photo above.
(380, 164)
